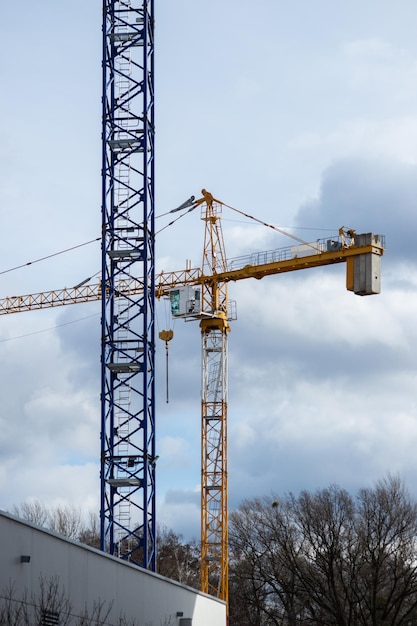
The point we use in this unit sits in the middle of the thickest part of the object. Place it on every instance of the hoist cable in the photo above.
(174, 221)
(46, 330)
(49, 256)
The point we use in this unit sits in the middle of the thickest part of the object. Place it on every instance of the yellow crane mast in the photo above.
(202, 294)
(215, 327)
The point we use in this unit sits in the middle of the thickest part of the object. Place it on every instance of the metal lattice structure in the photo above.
(214, 508)
(128, 346)
(214, 333)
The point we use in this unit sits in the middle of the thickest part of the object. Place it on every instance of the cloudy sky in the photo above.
(303, 114)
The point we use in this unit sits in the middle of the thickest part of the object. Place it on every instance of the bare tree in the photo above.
(33, 511)
(325, 558)
(67, 520)
(90, 533)
(177, 559)
(263, 544)
(327, 555)
(387, 540)
(51, 605)
(11, 610)
(97, 615)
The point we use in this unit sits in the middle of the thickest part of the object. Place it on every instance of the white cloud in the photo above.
(380, 69)
(396, 138)
(373, 49)
(180, 510)
(174, 451)
(319, 301)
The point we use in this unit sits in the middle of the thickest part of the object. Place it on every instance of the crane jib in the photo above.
(167, 281)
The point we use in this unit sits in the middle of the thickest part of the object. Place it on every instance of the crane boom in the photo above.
(257, 265)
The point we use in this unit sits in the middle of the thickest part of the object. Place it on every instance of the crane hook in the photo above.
(166, 335)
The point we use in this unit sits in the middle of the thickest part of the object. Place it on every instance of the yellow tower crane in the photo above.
(202, 294)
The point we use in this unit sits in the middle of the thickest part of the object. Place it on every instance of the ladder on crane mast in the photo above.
(127, 475)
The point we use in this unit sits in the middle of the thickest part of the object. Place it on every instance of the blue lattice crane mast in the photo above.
(127, 506)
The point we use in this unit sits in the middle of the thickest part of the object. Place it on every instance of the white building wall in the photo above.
(87, 576)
